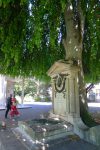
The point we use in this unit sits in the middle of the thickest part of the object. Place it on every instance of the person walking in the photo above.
(14, 111)
(8, 105)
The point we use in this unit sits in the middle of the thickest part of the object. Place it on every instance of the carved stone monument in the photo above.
(65, 98)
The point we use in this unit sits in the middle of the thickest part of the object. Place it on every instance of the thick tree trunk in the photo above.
(73, 46)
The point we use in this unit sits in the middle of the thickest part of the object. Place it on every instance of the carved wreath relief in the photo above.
(59, 84)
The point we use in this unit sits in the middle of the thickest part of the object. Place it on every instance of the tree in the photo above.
(31, 34)
(35, 33)
(32, 87)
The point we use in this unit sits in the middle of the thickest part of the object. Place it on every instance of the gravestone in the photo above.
(65, 98)
(64, 76)
(64, 120)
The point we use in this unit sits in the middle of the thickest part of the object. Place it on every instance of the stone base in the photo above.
(91, 135)
(44, 130)
(73, 119)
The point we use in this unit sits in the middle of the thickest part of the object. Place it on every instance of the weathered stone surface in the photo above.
(65, 98)
(93, 135)
(46, 129)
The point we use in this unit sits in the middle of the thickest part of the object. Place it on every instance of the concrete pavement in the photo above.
(10, 141)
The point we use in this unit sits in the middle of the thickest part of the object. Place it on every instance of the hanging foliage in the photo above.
(31, 34)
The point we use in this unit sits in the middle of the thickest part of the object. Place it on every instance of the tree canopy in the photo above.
(31, 34)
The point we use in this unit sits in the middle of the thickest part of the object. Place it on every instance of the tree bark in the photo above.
(73, 45)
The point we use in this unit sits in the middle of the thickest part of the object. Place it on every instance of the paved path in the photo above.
(29, 111)
(35, 111)
(94, 107)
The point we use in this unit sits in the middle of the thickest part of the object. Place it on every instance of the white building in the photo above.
(6, 88)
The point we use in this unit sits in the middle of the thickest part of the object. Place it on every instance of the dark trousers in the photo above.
(7, 110)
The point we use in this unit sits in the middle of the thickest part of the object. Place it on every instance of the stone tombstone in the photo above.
(65, 90)
(65, 97)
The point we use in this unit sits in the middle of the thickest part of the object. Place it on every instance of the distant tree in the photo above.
(30, 87)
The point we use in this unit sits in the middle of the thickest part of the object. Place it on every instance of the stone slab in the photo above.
(46, 129)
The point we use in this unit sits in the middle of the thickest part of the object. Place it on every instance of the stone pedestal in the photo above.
(44, 130)
(66, 105)
(65, 88)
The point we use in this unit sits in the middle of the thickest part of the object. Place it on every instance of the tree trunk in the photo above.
(22, 95)
(38, 88)
(73, 45)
